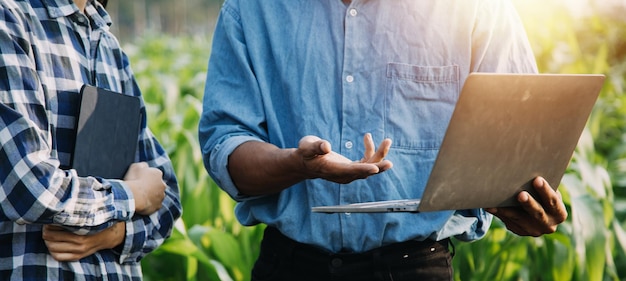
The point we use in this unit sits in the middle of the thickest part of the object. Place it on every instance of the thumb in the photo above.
(312, 146)
(134, 170)
(139, 165)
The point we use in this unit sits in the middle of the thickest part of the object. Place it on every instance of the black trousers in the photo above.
(284, 259)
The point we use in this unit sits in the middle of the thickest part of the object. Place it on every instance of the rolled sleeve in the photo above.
(218, 163)
(98, 212)
(466, 225)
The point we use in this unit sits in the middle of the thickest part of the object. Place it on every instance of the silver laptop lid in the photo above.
(506, 130)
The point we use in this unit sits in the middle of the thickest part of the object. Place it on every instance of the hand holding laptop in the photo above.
(534, 216)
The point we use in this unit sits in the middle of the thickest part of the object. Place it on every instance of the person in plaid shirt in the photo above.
(55, 225)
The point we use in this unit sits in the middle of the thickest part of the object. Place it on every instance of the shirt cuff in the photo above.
(467, 225)
(219, 165)
(91, 214)
(131, 251)
(123, 200)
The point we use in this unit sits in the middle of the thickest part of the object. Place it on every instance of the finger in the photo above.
(69, 250)
(312, 146)
(533, 208)
(382, 151)
(52, 227)
(321, 147)
(350, 172)
(543, 189)
(62, 247)
(65, 252)
(519, 229)
(58, 235)
(324, 147)
(544, 192)
(515, 220)
(55, 233)
(140, 165)
(369, 147)
(384, 165)
(507, 214)
(492, 211)
(551, 199)
(307, 142)
(551, 204)
(65, 257)
(530, 219)
(134, 169)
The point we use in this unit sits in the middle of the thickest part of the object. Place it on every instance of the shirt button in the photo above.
(336, 262)
(353, 12)
(349, 78)
(348, 145)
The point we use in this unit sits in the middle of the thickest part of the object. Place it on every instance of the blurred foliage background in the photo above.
(169, 43)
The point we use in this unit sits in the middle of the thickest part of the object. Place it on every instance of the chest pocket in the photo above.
(418, 104)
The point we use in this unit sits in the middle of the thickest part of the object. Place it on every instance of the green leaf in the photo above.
(589, 236)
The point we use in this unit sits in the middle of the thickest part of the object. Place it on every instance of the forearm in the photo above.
(43, 193)
(66, 246)
(259, 168)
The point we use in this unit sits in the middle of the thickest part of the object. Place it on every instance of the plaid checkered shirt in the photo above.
(48, 50)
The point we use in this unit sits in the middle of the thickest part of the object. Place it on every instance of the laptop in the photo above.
(107, 131)
(506, 129)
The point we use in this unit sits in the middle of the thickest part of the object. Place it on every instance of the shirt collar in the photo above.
(64, 8)
(60, 8)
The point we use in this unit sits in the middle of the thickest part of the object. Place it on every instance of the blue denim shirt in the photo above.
(283, 69)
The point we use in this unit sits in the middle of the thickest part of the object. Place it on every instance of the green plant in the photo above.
(591, 244)
(208, 242)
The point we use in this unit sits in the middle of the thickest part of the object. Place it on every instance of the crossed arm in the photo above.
(67, 246)
(535, 216)
(148, 190)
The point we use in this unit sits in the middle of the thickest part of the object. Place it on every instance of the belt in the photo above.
(348, 262)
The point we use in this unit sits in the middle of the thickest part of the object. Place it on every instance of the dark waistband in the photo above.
(279, 242)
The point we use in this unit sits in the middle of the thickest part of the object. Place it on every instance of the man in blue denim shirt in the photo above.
(292, 88)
